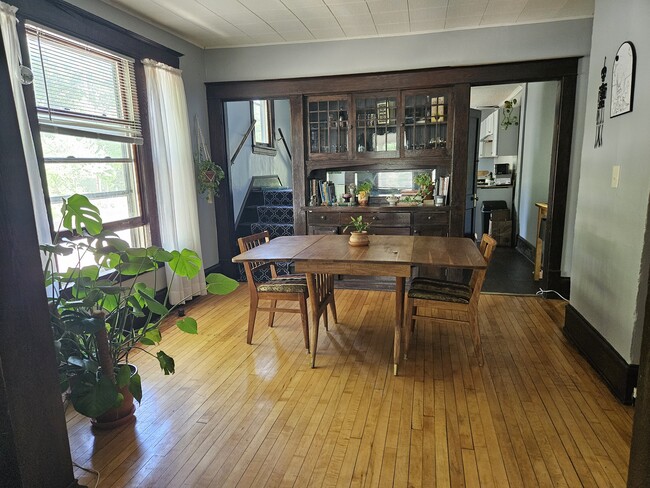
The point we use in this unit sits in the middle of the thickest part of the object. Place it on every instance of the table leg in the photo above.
(399, 319)
(313, 325)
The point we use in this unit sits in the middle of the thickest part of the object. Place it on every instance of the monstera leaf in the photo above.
(79, 213)
(185, 263)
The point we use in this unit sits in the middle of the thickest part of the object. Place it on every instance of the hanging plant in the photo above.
(209, 176)
(508, 117)
(209, 173)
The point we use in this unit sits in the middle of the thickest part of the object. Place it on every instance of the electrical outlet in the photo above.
(616, 172)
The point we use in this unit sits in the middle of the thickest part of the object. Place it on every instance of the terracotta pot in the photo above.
(122, 415)
(427, 192)
(358, 239)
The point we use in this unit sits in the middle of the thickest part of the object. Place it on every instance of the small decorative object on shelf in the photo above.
(508, 117)
(209, 174)
(392, 200)
(359, 236)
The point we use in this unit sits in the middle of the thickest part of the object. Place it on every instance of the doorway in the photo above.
(513, 173)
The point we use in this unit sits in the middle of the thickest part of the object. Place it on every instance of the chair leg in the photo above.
(325, 319)
(272, 313)
(305, 321)
(252, 313)
(409, 324)
(476, 336)
(333, 307)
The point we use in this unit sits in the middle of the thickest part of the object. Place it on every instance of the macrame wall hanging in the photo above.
(600, 111)
(209, 174)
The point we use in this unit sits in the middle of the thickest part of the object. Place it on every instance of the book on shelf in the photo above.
(324, 191)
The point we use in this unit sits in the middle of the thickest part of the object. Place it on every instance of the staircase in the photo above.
(267, 209)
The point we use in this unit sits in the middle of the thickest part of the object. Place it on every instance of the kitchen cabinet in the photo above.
(496, 140)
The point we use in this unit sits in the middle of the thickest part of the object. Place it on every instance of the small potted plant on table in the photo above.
(101, 309)
(359, 236)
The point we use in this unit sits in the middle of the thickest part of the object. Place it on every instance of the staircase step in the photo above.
(279, 196)
(280, 214)
(275, 230)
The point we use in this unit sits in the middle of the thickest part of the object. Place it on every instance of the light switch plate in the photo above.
(616, 172)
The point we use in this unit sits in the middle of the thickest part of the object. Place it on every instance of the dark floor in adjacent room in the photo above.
(510, 272)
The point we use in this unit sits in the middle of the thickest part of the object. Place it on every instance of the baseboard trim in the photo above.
(215, 268)
(618, 375)
(526, 249)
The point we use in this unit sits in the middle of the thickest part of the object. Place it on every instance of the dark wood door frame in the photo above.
(460, 80)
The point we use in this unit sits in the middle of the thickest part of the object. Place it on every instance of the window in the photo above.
(263, 134)
(89, 121)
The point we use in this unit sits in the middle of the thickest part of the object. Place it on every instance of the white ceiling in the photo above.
(493, 95)
(223, 23)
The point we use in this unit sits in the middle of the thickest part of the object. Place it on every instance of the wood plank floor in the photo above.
(239, 415)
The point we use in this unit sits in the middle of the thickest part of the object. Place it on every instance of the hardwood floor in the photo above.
(239, 415)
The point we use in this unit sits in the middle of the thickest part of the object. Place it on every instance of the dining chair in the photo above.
(285, 287)
(449, 296)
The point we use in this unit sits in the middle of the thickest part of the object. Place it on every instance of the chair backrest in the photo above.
(250, 242)
(488, 244)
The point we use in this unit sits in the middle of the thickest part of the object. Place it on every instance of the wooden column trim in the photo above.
(459, 159)
(225, 220)
(30, 399)
(299, 173)
(559, 183)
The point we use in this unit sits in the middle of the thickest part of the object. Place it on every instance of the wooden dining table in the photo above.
(321, 256)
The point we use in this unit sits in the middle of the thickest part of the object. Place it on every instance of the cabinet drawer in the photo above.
(380, 219)
(433, 218)
(317, 230)
(390, 231)
(431, 230)
(322, 218)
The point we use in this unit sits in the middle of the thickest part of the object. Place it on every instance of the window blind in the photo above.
(82, 89)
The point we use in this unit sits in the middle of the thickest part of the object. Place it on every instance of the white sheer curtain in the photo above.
(174, 170)
(14, 61)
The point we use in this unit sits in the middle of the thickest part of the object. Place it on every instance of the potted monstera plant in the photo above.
(101, 310)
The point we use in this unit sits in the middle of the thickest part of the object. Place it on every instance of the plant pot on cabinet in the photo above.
(363, 198)
(358, 239)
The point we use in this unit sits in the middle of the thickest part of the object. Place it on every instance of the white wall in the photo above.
(611, 252)
(192, 64)
(247, 164)
(450, 48)
(537, 148)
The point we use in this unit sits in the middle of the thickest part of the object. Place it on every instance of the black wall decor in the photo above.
(600, 109)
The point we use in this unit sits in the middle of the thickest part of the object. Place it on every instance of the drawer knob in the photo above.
(322, 217)
(333, 231)
(374, 218)
(429, 217)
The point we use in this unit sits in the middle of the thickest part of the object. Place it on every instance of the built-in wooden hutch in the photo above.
(410, 120)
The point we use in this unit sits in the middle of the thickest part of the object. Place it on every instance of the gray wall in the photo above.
(192, 64)
(536, 151)
(451, 48)
(611, 252)
(247, 164)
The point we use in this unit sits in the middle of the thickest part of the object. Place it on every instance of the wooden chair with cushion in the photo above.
(286, 287)
(449, 296)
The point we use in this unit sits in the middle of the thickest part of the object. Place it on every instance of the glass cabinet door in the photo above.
(328, 128)
(426, 122)
(376, 129)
